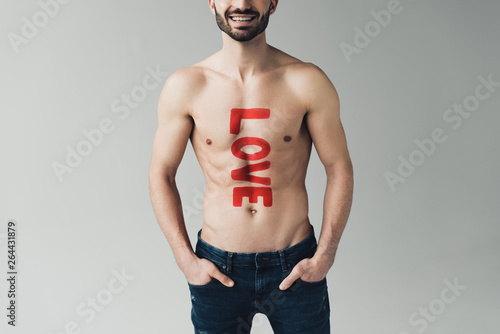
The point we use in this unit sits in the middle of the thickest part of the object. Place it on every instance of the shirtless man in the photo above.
(252, 113)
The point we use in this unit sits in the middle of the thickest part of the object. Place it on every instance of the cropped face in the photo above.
(243, 20)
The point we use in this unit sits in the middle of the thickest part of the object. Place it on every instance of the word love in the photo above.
(244, 173)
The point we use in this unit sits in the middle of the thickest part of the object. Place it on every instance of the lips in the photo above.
(239, 18)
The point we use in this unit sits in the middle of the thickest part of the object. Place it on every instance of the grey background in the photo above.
(399, 247)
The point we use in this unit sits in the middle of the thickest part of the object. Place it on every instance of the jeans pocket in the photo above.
(220, 266)
(197, 286)
(320, 282)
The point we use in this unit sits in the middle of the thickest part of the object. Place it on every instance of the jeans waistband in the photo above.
(282, 257)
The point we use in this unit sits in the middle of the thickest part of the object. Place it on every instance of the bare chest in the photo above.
(268, 111)
(239, 133)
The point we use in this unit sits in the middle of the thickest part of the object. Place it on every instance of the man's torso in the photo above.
(254, 161)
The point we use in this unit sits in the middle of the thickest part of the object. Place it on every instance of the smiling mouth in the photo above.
(241, 18)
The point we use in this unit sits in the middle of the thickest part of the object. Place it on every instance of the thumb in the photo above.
(223, 279)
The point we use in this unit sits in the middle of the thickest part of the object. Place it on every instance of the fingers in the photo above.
(297, 272)
(223, 279)
(288, 281)
(215, 273)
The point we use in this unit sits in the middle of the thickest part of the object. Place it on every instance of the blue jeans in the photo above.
(302, 308)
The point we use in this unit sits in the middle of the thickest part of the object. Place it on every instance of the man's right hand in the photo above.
(201, 271)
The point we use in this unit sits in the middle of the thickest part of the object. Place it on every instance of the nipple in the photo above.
(209, 141)
(287, 138)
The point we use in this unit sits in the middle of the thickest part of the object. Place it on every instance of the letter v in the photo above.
(243, 174)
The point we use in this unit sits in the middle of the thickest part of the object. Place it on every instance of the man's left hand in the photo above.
(309, 270)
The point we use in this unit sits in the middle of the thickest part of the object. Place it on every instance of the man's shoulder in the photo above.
(303, 72)
(186, 78)
(306, 80)
(182, 86)
(181, 89)
(305, 77)
(291, 64)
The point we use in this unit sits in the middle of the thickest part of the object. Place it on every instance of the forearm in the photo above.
(168, 211)
(336, 209)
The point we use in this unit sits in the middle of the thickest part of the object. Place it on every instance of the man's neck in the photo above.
(242, 60)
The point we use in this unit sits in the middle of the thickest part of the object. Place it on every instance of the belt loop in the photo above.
(282, 260)
(198, 243)
(229, 258)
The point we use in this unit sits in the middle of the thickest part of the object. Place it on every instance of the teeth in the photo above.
(241, 19)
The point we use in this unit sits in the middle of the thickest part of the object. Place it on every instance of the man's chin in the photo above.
(242, 35)
(243, 38)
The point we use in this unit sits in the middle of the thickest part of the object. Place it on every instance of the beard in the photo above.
(243, 34)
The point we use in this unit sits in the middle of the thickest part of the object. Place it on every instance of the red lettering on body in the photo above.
(243, 174)
(253, 193)
(238, 114)
(242, 142)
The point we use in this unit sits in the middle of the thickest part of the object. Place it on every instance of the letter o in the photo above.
(369, 31)
(43, 16)
(437, 306)
(139, 93)
(84, 148)
(413, 158)
(104, 297)
(257, 321)
(267, 307)
(245, 141)
(471, 107)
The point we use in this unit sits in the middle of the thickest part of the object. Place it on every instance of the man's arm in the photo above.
(174, 129)
(327, 133)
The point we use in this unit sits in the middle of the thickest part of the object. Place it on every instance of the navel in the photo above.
(209, 141)
(253, 211)
(287, 138)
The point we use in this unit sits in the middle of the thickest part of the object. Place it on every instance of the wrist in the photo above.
(324, 259)
(186, 261)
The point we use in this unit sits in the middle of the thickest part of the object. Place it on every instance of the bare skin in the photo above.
(196, 104)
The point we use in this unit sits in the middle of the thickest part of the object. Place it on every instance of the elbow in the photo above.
(161, 177)
(343, 169)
